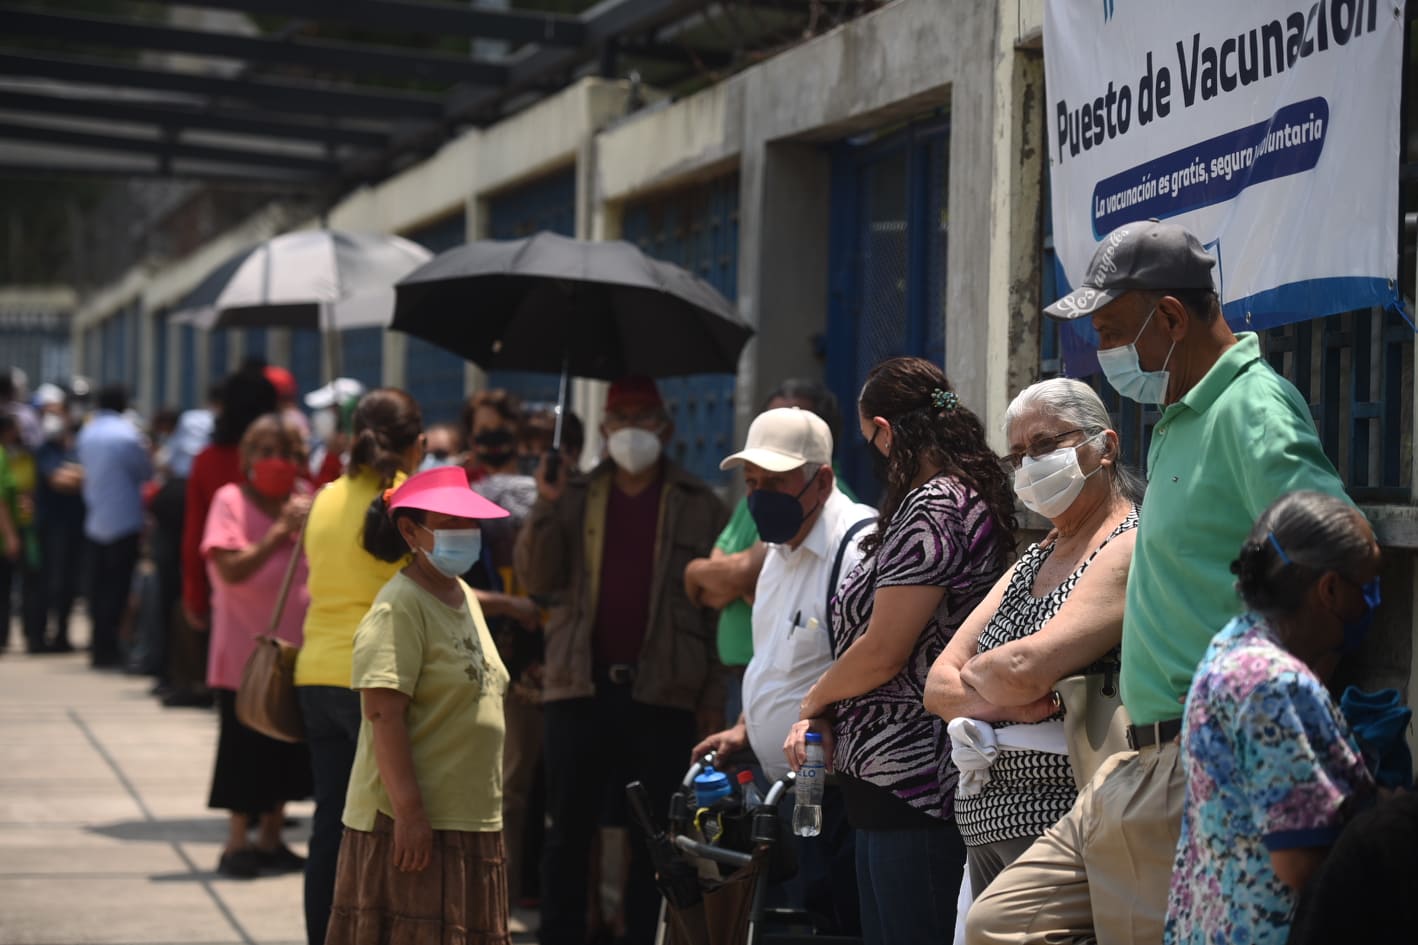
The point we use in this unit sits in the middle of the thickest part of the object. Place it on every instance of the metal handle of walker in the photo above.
(717, 854)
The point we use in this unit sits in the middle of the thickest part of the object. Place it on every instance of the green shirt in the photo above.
(444, 660)
(1237, 441)
(735, 637)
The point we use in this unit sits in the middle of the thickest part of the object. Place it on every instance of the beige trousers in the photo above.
(1101, 873)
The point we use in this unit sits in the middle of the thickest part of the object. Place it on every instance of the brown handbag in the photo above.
(266, 700)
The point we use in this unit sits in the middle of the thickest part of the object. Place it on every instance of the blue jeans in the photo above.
(909, 881)
(332, 718)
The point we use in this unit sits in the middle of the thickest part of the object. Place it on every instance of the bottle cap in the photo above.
(711, 785)
(745, 777)
(813, 738)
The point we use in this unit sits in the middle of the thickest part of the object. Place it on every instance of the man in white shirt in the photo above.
(813, 533)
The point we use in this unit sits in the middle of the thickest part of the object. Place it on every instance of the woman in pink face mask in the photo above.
(253, 529)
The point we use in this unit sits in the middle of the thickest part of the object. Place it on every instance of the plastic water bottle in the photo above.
(710, 786)
(807, 790)
(748, 791)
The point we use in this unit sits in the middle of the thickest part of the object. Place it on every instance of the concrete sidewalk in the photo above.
(105, 834)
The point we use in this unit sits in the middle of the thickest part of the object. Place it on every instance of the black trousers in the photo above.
(62, 550)
(594, 747)
(332, 719)
(111, 565)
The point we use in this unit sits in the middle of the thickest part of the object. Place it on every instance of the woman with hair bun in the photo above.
(942, 540)
(1272, 768)
(387, 430)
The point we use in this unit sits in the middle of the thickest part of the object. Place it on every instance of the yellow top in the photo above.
(444, 660)
(344, 578)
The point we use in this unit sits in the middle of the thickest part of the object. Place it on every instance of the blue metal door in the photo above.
(305, 360)
(545, 204)
(218, 354)
(888, 244)
(433, 376)
(696, 228)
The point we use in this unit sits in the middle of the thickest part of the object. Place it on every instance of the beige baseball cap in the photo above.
(784, 439)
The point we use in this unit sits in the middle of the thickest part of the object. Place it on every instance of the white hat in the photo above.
(48, 395)
(336, 392)
(784, 439)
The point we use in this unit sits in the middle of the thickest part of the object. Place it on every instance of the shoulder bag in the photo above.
(266, 701)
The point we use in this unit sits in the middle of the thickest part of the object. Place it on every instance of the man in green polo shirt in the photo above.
(1233, 437)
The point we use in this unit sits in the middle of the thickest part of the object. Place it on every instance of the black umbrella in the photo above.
(553, 304)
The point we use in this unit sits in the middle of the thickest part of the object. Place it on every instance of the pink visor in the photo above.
(445, 490)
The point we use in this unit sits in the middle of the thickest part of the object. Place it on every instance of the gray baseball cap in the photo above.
(1147, 255)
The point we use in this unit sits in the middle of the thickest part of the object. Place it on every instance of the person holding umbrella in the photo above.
(631, 666)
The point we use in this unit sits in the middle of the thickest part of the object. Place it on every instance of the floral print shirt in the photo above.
(1270, 763)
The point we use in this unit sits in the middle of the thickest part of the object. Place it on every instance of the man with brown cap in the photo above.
(1233, 437)
(631, 672)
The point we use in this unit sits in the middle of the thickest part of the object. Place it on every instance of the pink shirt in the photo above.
(241, 612)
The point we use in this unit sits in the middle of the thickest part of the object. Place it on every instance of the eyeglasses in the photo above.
(1041, 446)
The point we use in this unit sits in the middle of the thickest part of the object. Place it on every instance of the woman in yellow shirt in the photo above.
(422, 861)
(344, 579)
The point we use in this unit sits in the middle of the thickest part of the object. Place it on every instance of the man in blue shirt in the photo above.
(116, 465)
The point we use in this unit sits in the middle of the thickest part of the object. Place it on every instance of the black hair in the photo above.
(819, 398)
(505, 403)
(113, 397)
(7, 384)
(386, 424)
(245, 395)
(904, 391)
(1298, 538)
(1203, 304)
(380, 536)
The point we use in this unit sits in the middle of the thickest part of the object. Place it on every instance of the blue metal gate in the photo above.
(697, 228)
(187, 367)
(306, 365)
(435, 377)
(218, 355)
(362, 356)
(548, 203)
(888, 242)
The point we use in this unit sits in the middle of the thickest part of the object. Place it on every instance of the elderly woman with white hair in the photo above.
(1057, 611)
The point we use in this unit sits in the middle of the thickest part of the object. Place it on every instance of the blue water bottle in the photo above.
(710, 786)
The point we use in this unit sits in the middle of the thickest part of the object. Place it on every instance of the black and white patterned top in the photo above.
(943, 535)
(1028, 791)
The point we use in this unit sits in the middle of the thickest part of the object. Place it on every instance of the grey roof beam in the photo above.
(546, 29)
(257, 179)
(317, 98)
(178, 116)
(320, 54)
(160, 148)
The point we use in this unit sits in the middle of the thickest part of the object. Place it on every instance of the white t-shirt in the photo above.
(791, 643)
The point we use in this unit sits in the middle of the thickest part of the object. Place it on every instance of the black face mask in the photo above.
(880, 463)
(778, 515)
(495, 448)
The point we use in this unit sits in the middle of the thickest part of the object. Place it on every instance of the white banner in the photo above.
(1268, 128)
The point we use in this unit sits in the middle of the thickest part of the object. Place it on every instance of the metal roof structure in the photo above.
(333, 93)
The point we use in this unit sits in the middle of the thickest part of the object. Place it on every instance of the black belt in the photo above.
(1158, 733)
(617, 674)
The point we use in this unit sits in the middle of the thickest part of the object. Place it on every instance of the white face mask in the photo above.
(1050, 484)
(633, 449)
(1124, 371)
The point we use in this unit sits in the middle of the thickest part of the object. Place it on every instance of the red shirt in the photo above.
(212, 468)
(627, 568)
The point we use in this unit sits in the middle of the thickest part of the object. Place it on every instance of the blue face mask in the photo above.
(455, 550)
(1124, 371)
(1357, 629)
(778, 515)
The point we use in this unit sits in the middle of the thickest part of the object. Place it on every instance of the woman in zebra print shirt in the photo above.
(942, 540)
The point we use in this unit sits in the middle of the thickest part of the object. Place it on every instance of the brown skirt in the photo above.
(460, 898)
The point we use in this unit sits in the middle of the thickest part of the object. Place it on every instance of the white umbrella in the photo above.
(324, 280)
